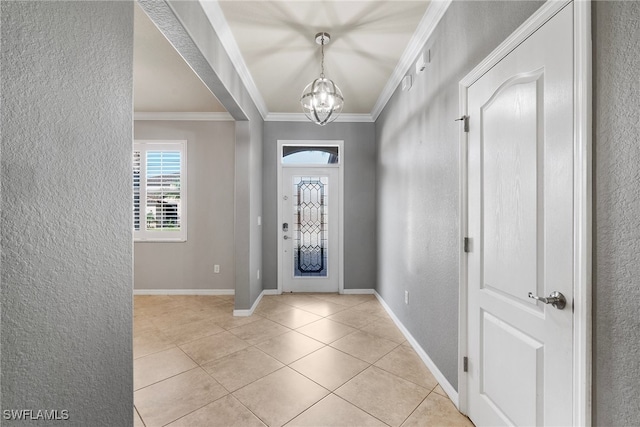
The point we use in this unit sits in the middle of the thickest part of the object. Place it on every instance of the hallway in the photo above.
(299, 360)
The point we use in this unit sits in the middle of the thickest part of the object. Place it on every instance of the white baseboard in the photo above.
(444, 383)
(184, 291)
(358, 291)
(246, 313)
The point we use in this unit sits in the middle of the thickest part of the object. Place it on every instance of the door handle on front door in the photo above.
(286, 237)
(556, 299)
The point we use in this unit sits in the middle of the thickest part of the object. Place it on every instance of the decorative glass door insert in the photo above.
(311, 226)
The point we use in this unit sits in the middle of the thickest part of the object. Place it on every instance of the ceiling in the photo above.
(272, 43)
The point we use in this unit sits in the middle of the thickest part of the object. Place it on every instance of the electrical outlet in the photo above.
(259, 220)
(216, 268)
(406, 297)
(258, 275)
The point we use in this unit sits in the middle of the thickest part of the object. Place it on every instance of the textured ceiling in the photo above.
(276, 40)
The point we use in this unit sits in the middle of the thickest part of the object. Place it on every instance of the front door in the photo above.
(309, 229)
(520, 201)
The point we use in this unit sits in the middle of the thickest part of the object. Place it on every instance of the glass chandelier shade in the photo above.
(322, 99)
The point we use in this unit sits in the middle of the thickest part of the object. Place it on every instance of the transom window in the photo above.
(310, 155)
(159, 191)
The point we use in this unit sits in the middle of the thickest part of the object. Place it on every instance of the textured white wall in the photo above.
(210, 199)
(616, 277)
(66, 221)
(418, 188)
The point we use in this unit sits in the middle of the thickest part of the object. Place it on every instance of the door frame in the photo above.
(340, 167)
(582, 377)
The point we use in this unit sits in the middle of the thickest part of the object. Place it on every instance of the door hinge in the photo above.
(465, 120)
(465, 364)
(467, 244)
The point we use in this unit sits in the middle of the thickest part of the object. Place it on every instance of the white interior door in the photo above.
(310, 229)
(520, 220)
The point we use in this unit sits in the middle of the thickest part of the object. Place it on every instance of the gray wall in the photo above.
(210, 221)
(359, 196)
(187, 27)
(66, 210)
(616, 137)
(418, 186)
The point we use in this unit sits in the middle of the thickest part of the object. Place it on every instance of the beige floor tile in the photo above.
(142, 324)
(405, 363)
(326, 330)
(137, 421)
(261, 330)
(168, 400)
(364, 346)
(372, 307)
(224, 412)
(289, 347)
(213, 347)
(280, 396)
(242, 367)
(329, 367)
(180, 334)
(333, 411)
(323, 308)
(297, 300)
(437, 411)
(293, 318)
(156, 367)
(385, 328)
(440, 391)
(149, 342)
(178, 316)
(383, 395)
(347, 300)
(229, 321)
(268, 307)
(354, 318)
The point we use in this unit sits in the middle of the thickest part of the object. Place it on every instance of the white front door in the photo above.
(309, 230)
(521, 225)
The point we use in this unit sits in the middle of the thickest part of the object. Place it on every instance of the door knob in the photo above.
(556, 299)
(286, 237)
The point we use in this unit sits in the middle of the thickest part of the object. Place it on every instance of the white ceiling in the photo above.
(274, 42)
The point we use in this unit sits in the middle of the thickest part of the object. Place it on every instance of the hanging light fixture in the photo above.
(322, 99)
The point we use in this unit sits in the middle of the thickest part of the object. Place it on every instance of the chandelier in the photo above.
(322, 99)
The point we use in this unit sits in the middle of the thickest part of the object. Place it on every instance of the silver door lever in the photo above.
(556, 299)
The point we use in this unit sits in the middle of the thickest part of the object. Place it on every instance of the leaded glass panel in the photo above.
(310, 228)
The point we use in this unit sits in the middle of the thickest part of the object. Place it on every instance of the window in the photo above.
(159, 191)
(309, 155)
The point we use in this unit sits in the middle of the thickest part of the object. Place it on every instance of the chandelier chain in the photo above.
(322, 61)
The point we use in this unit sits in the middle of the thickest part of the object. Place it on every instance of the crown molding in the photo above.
(427, 24)
(180, 116)
(214, 13)
(300, 117)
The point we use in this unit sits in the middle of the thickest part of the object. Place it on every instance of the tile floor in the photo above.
(300, 360)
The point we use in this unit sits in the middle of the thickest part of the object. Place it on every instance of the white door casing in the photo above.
(310, 185)
(525, 206)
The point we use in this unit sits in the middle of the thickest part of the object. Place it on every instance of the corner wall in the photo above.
(616, 228)
(187, 27)
(359, 196)
(66, 266)
(418, 185)
(210, 221)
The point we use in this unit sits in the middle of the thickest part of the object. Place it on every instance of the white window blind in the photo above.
(159, 191)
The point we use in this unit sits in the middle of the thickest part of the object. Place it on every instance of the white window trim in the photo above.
(144, 235)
